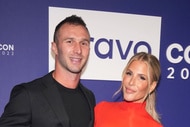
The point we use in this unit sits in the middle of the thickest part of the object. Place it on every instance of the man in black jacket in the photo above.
(58, 99)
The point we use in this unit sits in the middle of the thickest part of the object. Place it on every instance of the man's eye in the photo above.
(85, 43)
(128, 73)
(68, 41)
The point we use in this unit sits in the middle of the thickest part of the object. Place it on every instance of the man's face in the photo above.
(73, 47)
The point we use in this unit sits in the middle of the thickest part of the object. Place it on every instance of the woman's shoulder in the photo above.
(107, 104)
(104, 107)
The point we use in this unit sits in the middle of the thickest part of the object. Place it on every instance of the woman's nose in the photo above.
(132, 80)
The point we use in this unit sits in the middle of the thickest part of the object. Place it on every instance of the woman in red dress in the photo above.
(139, 81)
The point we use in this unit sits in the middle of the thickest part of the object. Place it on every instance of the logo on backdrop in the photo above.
(115, 37)
(6, 49)
(178, 54)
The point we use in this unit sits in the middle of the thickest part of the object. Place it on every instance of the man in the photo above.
(58, 99)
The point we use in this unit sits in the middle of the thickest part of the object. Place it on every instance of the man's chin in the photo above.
(75, 71)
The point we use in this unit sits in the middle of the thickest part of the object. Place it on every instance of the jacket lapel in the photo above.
(53, 97)
(89, 99)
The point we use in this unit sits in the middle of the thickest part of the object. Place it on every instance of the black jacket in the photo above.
(38, 104)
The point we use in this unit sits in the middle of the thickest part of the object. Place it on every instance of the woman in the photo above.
(139, 81)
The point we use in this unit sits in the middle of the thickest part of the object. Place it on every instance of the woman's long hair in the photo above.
(154, 72)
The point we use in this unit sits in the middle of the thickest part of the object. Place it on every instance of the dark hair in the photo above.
(75, 20)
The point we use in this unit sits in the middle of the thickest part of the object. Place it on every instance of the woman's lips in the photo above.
(129, 90)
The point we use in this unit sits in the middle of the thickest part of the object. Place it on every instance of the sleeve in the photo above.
(17, 111)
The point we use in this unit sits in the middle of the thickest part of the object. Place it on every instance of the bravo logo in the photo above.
(115, 37)
(123, 54)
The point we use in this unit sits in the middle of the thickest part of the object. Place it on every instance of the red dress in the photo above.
(123, 114)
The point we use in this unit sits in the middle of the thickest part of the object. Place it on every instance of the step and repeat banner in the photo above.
(118, 30)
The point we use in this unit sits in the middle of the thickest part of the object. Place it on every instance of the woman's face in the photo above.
(135, 82)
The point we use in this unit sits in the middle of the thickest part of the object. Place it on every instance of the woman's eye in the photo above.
(143, 78)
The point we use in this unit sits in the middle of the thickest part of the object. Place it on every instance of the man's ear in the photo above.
(54, 48)
(153, 86)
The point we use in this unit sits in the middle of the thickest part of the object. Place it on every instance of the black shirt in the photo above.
(76, 106)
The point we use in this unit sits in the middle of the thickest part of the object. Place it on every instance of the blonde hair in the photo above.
(154, 72)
